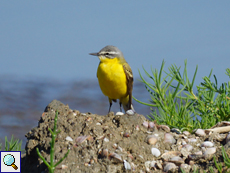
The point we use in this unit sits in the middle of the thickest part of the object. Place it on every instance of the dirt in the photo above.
(102, 143)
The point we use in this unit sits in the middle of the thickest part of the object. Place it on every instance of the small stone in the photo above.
(200, 132)
(170, 167)
(185, 167)
(168, 138)
(175, 130)
(152, 139)
(227, 138)
(177, 160)
(192, 140)
(164, 127)
(188, 147)
(186, 133)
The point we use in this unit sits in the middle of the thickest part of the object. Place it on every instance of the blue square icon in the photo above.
(10, 161)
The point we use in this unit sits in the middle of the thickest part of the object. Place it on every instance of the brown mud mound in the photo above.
(116, 143)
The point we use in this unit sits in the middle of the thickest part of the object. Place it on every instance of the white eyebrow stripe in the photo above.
(110, 52)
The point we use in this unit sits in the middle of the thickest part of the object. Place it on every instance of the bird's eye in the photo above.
(107, 53)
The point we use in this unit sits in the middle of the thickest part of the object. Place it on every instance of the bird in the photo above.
(115, 77)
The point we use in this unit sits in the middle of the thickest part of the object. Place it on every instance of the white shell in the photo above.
(155, 152)
(153, 164)
(130, 112)
(68, 138)
(146, 124)
(106, 139)
(192, 140)
(147, 166)
(127, 165)
(209, 151)
(64, 167)
(119, 113)
(207, 144)
(151, 125)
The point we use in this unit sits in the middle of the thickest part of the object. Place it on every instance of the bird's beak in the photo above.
(94, 54)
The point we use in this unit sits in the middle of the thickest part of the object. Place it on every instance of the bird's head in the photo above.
(109, 53)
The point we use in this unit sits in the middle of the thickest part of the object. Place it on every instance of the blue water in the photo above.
(23, 100)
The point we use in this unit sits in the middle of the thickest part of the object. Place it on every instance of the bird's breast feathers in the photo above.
(112, 79)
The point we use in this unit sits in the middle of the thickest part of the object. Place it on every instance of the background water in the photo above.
(23, 101)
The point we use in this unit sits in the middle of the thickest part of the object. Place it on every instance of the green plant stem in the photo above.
(51, 166)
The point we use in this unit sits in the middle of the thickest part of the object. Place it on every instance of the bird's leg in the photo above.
(120, 106)
(110, 104)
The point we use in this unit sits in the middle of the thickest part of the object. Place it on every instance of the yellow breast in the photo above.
(112, 78)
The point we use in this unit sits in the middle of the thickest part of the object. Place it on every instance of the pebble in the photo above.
(177, 160)
(152, 140)
(186, 133)
(170, 167)
(188, 147)
(200, 132)
(227, 138)
(185, 167)
(168, 138)
(175, 130)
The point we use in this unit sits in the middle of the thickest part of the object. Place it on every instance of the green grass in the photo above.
(12, 145)
(174, 102)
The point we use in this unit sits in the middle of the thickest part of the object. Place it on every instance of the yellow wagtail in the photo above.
(115, 77)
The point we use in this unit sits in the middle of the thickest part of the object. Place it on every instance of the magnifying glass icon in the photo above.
(9, 160)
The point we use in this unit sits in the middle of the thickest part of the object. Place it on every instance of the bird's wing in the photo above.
(129, 78)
